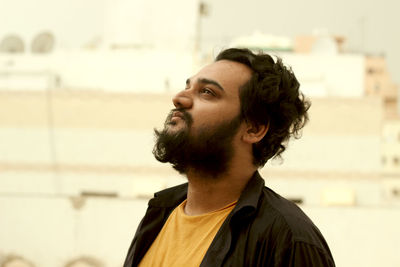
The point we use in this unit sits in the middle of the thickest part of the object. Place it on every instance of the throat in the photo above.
(210, 194)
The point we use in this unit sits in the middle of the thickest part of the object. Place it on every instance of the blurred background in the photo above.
(83, 84)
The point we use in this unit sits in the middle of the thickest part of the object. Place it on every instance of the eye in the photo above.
(207, 91)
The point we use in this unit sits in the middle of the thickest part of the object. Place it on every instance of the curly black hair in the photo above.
(271, 97)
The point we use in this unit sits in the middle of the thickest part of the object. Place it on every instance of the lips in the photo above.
(174, 117)
(177, 114)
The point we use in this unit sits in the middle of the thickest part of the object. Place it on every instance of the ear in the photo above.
(254, 133)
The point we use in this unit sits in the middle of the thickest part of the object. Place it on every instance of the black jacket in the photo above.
(264, 229)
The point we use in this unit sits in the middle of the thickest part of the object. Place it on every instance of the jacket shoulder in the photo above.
(288, 219)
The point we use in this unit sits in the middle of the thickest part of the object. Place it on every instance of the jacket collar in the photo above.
(170, 197)
(173, 196)
(251, 194)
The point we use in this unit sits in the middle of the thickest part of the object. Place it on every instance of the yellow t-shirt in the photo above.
(184, 239)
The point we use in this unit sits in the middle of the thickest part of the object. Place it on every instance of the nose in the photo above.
(183, 100)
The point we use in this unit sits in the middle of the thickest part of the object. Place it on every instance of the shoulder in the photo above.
(278, 233)
(284, 222)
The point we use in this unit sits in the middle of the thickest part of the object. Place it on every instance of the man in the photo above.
(233, 116)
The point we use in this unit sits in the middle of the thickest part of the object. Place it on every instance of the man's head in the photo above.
(198, 134)
(241, 98)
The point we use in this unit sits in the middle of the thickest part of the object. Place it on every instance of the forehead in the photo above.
(229, 74)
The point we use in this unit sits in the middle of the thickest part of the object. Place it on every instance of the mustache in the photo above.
(185, 115)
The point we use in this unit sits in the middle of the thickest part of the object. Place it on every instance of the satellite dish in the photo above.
(12, 44)
(16, 261)
(43, 43)
(84, 261)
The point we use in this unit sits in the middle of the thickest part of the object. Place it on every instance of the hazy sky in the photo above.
(369, 26)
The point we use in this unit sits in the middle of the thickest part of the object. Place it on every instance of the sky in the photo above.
(369, 26)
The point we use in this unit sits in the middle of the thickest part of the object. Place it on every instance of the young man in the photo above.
(233, 116)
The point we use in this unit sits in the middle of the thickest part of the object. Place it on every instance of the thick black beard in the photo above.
(208, 153)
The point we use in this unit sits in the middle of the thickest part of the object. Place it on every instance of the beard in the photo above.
(208, 152)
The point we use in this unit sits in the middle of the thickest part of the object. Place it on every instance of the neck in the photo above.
(206, 194)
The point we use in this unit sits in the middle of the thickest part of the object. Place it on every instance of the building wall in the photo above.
(50, 231)
(97, 128)
(391, 147)
(343, 135)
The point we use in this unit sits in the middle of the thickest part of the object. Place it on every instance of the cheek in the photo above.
(207, 114)
(210, 121)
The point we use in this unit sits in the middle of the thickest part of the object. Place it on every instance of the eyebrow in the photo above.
(207, 81)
